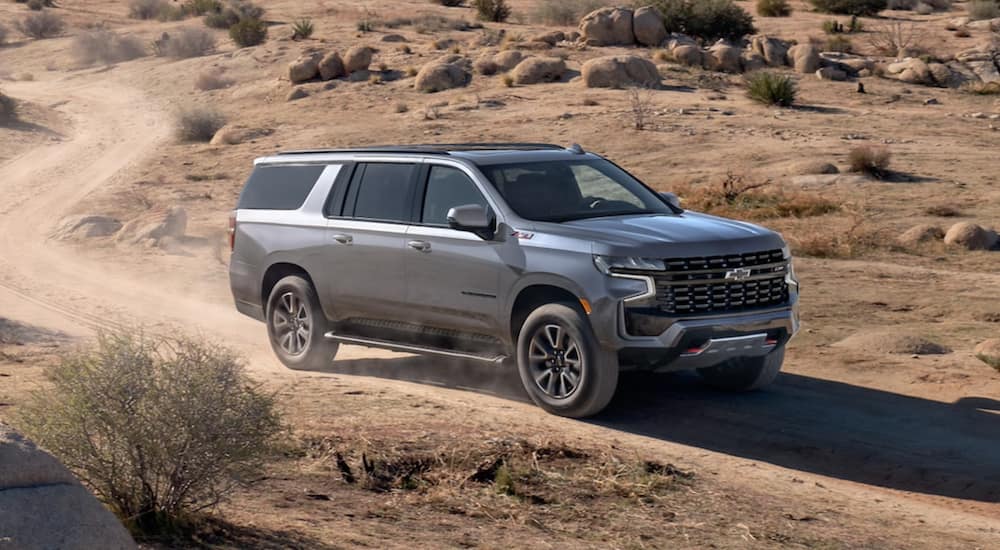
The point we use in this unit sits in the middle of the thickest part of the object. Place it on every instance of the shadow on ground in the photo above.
(808, 424)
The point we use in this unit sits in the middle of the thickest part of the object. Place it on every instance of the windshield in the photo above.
(565, 190)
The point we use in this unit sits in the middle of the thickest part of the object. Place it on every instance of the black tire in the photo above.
(305, 347)
(745, 373)
(595, 369)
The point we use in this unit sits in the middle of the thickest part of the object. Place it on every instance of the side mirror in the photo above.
(473, 218)
(671, 198)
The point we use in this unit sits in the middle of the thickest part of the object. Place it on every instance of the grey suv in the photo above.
(552, 259)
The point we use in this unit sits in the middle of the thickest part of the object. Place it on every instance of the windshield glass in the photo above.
(565, 190)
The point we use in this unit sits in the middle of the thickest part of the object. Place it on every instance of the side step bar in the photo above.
(413, 348)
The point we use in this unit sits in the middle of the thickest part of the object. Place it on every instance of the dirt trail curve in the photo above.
(791, 427)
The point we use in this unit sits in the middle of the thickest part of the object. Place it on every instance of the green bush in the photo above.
(496, 11)
(773, 8)
(850, 7)
(43, 24)
(159, 428)
(8, 109)
(248, 32)
(708, 20)
(771, 88)
(566, 13)
(302, 29)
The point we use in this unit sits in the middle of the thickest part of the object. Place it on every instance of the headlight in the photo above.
(786, 252)
(608, 264)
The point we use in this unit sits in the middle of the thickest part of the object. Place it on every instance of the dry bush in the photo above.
(740, 197)
(147, 9)
(496, 11)
(831, 241)
(566, 13)
(44, 24)
(983, 9)
(896, 39)
(199, 123)
(640, 101)
(870, 159)
(102, 46)
(158, 427)
(850, 7)
(248, 32)
(201, 7)
(839, 43)
(211, 80)
(8, 109)
(773, 8)
(188, 42)
(232, 13)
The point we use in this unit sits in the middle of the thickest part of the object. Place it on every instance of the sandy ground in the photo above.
(903, 448)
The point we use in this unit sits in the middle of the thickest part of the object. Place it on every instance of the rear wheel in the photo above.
(296, 326)
(745, 373)
(562, 366)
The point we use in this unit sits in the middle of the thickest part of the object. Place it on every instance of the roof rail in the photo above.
(415, 149)
(431, 148)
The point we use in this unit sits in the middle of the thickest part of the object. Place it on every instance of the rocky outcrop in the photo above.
(608, 27)
(304, 68)
(723, 57)
(620, 71)
(773, 50)
(804, 58)
(331, 66)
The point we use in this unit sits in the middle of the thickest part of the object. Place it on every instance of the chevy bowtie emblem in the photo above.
(740, 274)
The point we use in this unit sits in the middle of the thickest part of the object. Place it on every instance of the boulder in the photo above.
(970, 236)
(983, 61)
(551, 38)
(911, 70)
(984, 24)
(647, 26)
(619, 71)
(676, 39)
(443, 74)
(485, 65)
(752, 61)
(723, 57)
(331, 66)
(941, 75)
(43, 506)
(922, 233)
(358, 58)
(608, 27)
(988, 351)
(804, 58)
(304, 68)
(539, 69)
(773, 50)
(87, 227)
(393, 38)
(507, 60)
(690, 56)
(831, 73)
(155, 225)
(297, 92)
(847, 63)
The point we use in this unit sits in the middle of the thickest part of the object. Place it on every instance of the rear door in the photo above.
(366, 238)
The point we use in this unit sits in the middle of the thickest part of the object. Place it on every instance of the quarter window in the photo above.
(384, 192)
(279, 187)
(447, 188)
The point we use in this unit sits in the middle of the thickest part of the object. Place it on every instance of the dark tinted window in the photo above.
(279, 187)
(384, 192)
(447, 188)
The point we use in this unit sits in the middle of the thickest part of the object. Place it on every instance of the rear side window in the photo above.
(279, 187)
(384, 192)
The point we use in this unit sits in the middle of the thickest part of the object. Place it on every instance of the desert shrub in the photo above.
(641, 106)
(449, 3)
(496, 11)
(901, 4)
(869, 159)
(39, 5)
(302, 29)
(147, 9)
(102, 46)
(832, 26)
(983, 9)
(850, 7)
(171, 12)
(773, 8)
(232, 13)
(567, 13)
(208, 80)
(202, 7)
(771, 88)
(248, 32)
(896, 39)
(839, 43)
(158, 427)
(708, 20)
(188, 42)
(8, 108)
(199, 123)
(740, 196)
(43, 24)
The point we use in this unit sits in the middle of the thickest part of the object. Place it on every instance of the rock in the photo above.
(304, 68)
(931, 101)
(331, 66)
(892, 341)
(752, 61)
(970, 236)
(551, 38)
(485, 65)
(507, 60)
(234, 134)
(154, 225)
(441, 75)
(619, 72)
(982, 61)
(87, 227)
(358, 58)
(676, 39)
(911, 70)
(572, 36)
(393, 38)
(853, 65)
(804, 57)
(43, 506)
(297, 92)
(984, 24)
(815, 167)
(773, 50)
(988, 351)
(608, 27)
(941, 74)
(920, 234)
(539, 69)
(723, 57)
(690, 56)
(831, 73)
(647, 26)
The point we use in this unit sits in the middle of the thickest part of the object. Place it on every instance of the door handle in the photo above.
(343, 239)
(422, 246)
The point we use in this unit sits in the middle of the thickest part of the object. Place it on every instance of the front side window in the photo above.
(383, 192)
(566, 190)
(447, 188)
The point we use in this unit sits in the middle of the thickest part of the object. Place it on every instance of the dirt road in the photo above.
(872, 450)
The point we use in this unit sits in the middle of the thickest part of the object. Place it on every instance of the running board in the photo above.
(413, 348)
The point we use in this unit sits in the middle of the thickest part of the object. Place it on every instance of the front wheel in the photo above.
(562, 366)
(745, 373)
(296, 326)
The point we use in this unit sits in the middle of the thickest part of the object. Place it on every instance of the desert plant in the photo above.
(983, 9)
(896, 39)
(8, 108)
(302, 29)
(102, 46)
(743, 196)
(206, 81)
(188, 42)
(147, 9)
(202, 7)
(773, 8)
(708, 20)
(640, 101)
(232, 13)
(870, 159)
(450, 3)
(199, 123)
(850, 7)
(839, 43)
(157, 427)
(496, 11)
(855, 25)
(565, 13)
(508, 81)
(248, 32)
(43, 24)
(771, 88)
(832, 26)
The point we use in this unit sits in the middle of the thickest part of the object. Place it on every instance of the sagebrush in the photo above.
(147, 9)
(771, 88)
(744, 197)
(199, 124)
(103, 46)
(873, 160)
(496, 11)
(708, 20)
(158, 428)
(188, 42)
(232, 13)
(248, 32)
(43, 24)
(208, 80)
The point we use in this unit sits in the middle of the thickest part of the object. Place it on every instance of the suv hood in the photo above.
(664, 236)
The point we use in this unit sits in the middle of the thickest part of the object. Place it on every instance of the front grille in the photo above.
(699, 286)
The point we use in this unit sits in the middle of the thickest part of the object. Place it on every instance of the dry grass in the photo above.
(739, 196)
(845, 238)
